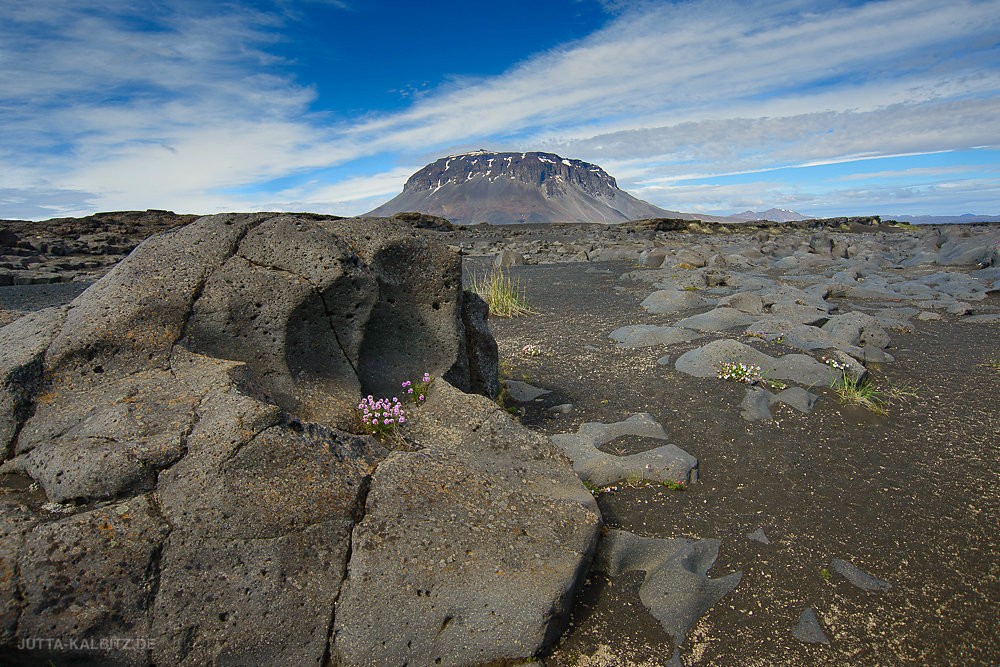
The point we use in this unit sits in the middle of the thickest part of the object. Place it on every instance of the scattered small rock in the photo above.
(808, 630)
(756, 405)
(858, 577)
(522, 392)
(648, 335)
(675, 590)
(508, 258)
(985, 317)
(798, 398)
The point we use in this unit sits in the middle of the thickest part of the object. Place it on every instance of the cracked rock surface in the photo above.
(475, 544)
(183, 435)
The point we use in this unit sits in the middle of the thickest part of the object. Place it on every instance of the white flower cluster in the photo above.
(839, 365)
(738, 372)
(747, 373)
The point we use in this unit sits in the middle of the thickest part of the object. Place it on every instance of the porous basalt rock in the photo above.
(475, 544)
(189, 419)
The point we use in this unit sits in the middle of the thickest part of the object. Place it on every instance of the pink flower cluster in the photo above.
(381, 414)
(421, 387)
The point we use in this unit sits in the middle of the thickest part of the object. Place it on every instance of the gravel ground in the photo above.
(910, 497)
(16, 300)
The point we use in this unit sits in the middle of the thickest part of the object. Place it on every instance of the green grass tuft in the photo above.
(504, 295)
(869, 396)
(865, 395)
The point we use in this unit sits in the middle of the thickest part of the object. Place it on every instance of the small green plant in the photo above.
(749, 374)
(691, 288)
(866, 395)
(901, 392)
(504, 295)
(825, 573)
(418, 392)
(502, 394)
(674, 486)
(994, 363)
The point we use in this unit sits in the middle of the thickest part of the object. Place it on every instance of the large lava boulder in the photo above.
(182, 464)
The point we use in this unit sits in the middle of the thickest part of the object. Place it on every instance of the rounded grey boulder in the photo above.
(672, 301)
(705, 361)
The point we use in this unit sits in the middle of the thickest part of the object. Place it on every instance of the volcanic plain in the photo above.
(823, 530)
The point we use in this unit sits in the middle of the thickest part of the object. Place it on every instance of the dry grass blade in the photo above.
(504, 295)
(902, 392)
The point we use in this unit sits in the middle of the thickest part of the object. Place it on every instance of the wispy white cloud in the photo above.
(356, 187)
(147, 104)
(956, 194)
(754, 145)
(914, 172)
(697, 61)
(175, 104)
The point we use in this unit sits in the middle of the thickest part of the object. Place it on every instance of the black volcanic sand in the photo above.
(18, 300)
(911, 498)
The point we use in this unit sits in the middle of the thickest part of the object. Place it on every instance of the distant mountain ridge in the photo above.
(537, 187)
(773, 214)
(528, 187)
(943, 219)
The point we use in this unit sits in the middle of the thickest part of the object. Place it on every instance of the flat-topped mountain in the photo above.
(504, 188)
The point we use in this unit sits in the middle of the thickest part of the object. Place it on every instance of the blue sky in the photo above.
(827, 108)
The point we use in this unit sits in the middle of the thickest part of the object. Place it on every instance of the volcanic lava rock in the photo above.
(190, 423)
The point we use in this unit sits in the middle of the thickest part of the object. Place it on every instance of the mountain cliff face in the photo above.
(505, 188)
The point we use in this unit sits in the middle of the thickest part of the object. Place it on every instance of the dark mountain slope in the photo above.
(504, 188)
